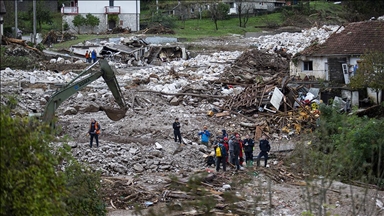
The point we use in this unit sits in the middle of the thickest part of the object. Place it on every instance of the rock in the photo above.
(138, 168)
(91, 107)
(133, 151)
(43, 101)
(164, 167)
(67, 62)
(158, 146)
(70, 111)
(226, 187)
(175, 101)
(157, 153)
(8, 70)
(32, 79)
(52, 61)
(60, 60)
(72, 144)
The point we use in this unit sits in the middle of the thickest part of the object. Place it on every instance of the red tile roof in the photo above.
(355, 39)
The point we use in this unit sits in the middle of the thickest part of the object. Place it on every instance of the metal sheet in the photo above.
(276, 98)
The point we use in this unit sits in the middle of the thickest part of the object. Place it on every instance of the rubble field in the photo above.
(224, 84)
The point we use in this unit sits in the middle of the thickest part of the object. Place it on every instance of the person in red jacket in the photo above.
(226, 145)
(241, 158)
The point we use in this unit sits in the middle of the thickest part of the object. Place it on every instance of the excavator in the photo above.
(82, 80)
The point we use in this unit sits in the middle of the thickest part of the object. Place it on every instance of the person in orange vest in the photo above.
(94, 131)
(87, 56)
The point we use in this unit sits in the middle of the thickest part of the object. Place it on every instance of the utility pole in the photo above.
(34, 22)
(16, 18)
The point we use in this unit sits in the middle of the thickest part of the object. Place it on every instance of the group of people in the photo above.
(90, 56)
(232, 150)
(227, 149)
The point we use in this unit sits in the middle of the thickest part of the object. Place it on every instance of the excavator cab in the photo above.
(82, 80)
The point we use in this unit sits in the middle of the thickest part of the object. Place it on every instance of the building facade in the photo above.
(112, 13)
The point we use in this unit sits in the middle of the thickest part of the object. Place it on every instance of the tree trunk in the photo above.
(239, 14)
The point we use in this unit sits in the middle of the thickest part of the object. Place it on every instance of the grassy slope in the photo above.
(196, 28)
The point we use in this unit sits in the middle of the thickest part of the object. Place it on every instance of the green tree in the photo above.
(32, 180)
(42, 15)
(30, 184)
(218, 11)
(346, 147)
(79, 21)
(370, 72)
(92, 21)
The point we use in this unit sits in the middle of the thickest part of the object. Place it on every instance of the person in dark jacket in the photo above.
(94, 131)
(236, 151)
(222, 157)
(264, 150)
(248, 145)
(176, 130)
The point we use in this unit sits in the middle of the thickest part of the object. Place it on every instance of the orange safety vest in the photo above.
(87, 55)
(96, 127)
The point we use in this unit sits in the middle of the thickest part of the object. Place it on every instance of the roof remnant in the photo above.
(356, 39)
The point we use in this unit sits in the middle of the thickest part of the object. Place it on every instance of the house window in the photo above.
(307, 65)
(111, 3)
(231, 5)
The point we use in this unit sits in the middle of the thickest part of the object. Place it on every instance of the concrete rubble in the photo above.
(142, 143)
(193, 75)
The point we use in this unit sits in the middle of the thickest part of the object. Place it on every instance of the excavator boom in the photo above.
(81, 81)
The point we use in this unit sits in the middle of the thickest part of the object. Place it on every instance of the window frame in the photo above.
(307, 65)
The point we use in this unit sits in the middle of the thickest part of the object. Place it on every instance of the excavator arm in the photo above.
(81, 81)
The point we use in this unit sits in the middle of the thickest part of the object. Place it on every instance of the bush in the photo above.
(345, 147)
(32, 182)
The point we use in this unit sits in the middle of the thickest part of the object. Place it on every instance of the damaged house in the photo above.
(337, 59)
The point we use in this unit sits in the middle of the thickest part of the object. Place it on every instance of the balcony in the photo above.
(112, 9)
(70, 10)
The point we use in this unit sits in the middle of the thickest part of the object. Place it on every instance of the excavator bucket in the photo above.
(114, 114)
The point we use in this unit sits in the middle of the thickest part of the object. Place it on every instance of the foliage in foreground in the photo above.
(346, 147)
(33, 182)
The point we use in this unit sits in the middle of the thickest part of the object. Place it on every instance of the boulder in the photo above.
(138, 168)
(70, 111)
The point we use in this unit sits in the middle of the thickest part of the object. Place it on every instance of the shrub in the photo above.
(32, 181)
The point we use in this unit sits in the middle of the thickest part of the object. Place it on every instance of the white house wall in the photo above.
(318, 66)
(127, 16)
(372, 95)
(92, 7)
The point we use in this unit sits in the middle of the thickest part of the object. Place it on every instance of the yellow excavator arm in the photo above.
(82, 80)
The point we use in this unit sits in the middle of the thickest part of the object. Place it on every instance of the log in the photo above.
(188, 94)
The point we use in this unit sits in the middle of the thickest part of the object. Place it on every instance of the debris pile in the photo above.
(157, 29)
(253, 65)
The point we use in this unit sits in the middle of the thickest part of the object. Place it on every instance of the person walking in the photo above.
(248, 145)
(265, 147)
(176, 130)
(94, 55)
(86, 56)
(220, 154)
(205, 136)
(94, 131)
